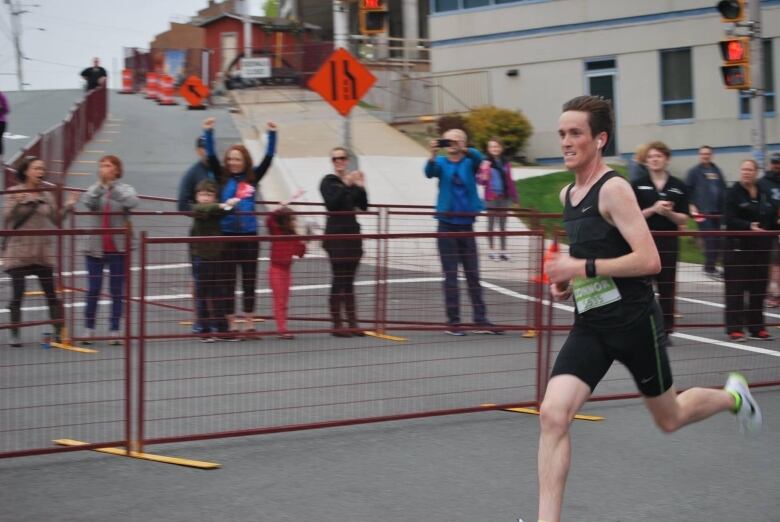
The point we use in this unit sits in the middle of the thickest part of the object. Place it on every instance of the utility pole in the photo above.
(758, 101)
(16, 30)
(247, 29)
(341, 40)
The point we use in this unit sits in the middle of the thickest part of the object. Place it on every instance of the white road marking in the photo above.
(490, 286)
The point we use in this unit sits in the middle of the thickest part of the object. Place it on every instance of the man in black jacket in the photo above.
(95, 75)
(706, 191)
(198, 172)
(770, 183)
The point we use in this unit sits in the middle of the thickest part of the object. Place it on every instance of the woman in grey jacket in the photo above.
(113, 200)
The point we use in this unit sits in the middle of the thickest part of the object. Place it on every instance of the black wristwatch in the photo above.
(590, 267)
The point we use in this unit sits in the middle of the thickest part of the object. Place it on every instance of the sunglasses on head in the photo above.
(342, 158)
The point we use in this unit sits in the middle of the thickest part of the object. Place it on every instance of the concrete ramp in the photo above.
(309, 128)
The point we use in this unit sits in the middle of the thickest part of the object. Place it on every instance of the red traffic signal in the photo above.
(731, 10)
(735, 50)
(372, 4)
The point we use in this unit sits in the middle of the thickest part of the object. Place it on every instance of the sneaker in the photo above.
(16, 341)
(287, 337)
(487, 329)
(208, 340)
(761, 335)
(455, 330)
(738, 337)
(227, 338)
(503, 257)
(747, 410)
(493, 257)
(714, 274)
(196, 329)
(115, 342)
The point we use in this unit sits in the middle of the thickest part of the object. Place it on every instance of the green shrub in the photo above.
(450, 121)
(511, 127)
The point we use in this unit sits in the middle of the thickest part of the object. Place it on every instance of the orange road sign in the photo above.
(194, 91)
(342, 81)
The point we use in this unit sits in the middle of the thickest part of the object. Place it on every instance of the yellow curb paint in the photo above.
(121, 452)
(71, 348)
(529, 334)
(34, 293)
(533, 411)
(185, 323)
(385, 336)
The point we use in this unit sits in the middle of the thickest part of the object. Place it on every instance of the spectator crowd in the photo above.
(219, 193)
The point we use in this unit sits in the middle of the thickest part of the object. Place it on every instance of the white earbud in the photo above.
(598, 144)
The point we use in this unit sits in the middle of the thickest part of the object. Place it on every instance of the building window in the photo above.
(769, 82)
(454, 5)
(446, 5)
(676, 85)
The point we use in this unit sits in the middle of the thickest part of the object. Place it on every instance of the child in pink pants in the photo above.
(282, 222)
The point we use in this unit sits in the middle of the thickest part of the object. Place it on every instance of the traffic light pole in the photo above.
(758, 131)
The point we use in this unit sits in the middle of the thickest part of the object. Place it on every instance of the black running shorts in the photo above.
(588, 353)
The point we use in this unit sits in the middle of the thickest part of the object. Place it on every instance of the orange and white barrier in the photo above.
(127, 81)
(165, 91)
(151, 86)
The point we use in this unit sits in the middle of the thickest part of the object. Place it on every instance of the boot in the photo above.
(335, 314)
(349, 305)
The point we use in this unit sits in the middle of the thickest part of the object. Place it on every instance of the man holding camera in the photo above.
(456, 207)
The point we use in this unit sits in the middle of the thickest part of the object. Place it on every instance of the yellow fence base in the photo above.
(384, 336)
(121, 452)
(534, 411)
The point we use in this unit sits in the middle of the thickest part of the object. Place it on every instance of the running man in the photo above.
(611, 256)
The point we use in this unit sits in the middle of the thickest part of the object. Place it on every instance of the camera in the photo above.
(443, 143)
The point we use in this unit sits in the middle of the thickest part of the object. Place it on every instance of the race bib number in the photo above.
(593, 292)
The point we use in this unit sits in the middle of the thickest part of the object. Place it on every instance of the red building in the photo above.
(294, 48)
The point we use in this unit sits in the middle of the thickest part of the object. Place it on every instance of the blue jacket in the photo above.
(466, 168)
(243, 221)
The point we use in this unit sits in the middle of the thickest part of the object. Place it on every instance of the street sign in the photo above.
(342, 81)
(194, 91)
(252, 68)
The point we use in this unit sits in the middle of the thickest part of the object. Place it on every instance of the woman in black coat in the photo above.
(746, 260)
(343, 191)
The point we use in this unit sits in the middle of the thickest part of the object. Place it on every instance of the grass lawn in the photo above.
(541, 193)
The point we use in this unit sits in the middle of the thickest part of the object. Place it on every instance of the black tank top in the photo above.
(590, 235)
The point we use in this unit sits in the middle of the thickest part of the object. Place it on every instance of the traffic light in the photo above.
(731, 10)
(736, 62)
(373, 16)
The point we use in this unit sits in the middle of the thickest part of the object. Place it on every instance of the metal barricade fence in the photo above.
(59, 145)
(185, 389)
(51, 388)
(192, 390)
